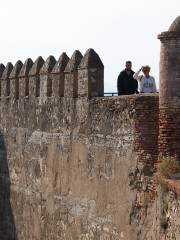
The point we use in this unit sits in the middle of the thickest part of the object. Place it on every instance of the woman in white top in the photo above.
(147, 82)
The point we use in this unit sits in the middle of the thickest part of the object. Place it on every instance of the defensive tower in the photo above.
(169, 99)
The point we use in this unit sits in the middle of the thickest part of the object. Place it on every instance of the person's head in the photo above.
(128, 65)
(146, 69)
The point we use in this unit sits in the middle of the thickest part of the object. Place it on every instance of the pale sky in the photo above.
(117, 30)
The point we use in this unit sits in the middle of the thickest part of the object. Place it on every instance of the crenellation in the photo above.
(48, 65)
(34, 78)
(26, 68)
(45, 78)
(91, 60)
(2, 67)
(61, 63)
(5, 87)
(36, 68)
(71, 75)
(91, 75)
(7, 71)
(74, 61)
(52, 78)
(16, 70)
(24, 78)
(58, 75)
(14, 80)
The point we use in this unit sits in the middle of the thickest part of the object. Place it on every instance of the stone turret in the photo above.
(169, 133)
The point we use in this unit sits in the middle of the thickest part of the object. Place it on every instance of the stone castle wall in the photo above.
(75, 164)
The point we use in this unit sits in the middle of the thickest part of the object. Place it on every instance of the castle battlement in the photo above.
(80, 75)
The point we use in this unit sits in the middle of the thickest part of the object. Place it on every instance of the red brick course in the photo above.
(146, 129)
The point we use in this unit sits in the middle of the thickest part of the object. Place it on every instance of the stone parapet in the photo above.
(63, 78)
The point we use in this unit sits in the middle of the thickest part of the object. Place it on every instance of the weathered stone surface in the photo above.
(74, 62)
(7, 71)
(71, 75)
(5, 81)
(57, 76)
(24, 78)
(91, 60)
(48, 65)
(61, 63)
(70, 161)
(16, 70)
(91, 76)
(69, 164)
(2, 67)
(26, 68)
(169, 126)
(46, 79)
(37, 66)
(175, 26)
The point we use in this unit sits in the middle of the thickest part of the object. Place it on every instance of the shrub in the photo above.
(169, 166)
(161, 181)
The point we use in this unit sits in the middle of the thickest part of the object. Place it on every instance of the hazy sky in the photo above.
(118, 30)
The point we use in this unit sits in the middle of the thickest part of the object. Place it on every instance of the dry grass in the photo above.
(169, 166)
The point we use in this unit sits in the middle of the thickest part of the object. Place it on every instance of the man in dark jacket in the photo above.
(126, 84)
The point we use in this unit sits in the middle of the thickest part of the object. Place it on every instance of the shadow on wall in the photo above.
(7, 225)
